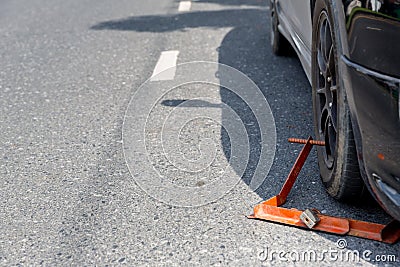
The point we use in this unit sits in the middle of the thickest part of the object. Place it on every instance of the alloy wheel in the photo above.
(327, 106)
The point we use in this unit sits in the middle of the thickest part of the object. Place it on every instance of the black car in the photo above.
(350, 51)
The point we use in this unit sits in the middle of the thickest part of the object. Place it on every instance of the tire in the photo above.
(337, 160)
(280, 46)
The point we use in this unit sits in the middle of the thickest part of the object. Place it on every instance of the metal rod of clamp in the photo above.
(270, 209)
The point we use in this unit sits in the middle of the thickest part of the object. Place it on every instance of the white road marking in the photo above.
(184, 6)
(164, 69)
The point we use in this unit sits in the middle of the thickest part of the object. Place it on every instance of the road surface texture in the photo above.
(68, 72)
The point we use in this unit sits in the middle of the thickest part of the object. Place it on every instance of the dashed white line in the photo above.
(164, 69)
(184, 6)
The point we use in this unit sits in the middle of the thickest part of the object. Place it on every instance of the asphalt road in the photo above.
(71, 186)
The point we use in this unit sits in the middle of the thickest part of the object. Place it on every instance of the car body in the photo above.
(367, 38)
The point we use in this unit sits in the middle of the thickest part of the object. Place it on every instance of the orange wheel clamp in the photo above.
(270, 210)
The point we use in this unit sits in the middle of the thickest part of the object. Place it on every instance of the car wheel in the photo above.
(280, 46)
(337, 160)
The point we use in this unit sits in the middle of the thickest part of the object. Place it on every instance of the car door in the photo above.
(300, 16)
(295, 16)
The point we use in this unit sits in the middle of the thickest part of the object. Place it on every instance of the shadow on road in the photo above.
(182, 21)
(282, 81)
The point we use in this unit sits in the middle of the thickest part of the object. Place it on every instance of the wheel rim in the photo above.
(326, 86)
